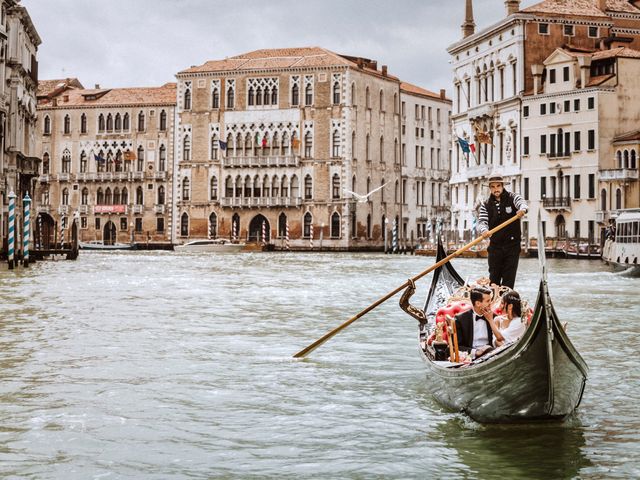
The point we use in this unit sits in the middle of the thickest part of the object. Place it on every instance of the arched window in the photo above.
(124, 197)
(618, 199)
(45, 164)
(83, 123)
(84, 198)
(335, 225)
(308, 95)
(353, 183)
(336, 93)
(162, 159)
(251, 97)
(295, 187)
(625, 163)
(633, 159)
(141, 122)
(214, 188)
(308, 187)
(67, 124)
(99, 197)
(108, 198)
(47, 125)
(295, 95)
(109, 122)
(367, 148)
(230, 97)
(258, 96)
(282, 225)
(560, 140)
(307, 219)
(186, 148)
(125, 122)
(140, 165)
(368, 184)
(66, 161)
(184, 225)
(267, 96)
(335, 144)
(308, 145)
(187, 99)
(101, 123)
(619, 158)
(396, 192)
(185, 188)
(275, 186)
(139, 196)
(118, 123)
(603, 199)
(382, 150)
(213, 225)
(284, 187)
(215, 98)
(335, 186)
(274, 96)
(116, 196)
(163, 121)
(214, 147)
(382, 182)
(65, 196)
(369, 225)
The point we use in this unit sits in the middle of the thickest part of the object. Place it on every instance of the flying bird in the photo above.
(364, 198)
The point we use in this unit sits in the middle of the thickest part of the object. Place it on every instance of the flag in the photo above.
(98, 158)
(295, 142)
(223, 145)
(472, 147)
(464, 145)
(257, 138)
(128, 155)
(483, 137)
(264, 141)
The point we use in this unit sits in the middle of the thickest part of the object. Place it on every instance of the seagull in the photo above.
(364, 198)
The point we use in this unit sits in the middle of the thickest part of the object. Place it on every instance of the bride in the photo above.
(509, 326)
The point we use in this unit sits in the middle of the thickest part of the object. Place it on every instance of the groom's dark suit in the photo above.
(464, 327)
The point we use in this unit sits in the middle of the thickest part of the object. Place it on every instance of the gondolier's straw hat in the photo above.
(495, 179)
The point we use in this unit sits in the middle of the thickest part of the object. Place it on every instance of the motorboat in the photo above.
(100, 245)
(218, 245)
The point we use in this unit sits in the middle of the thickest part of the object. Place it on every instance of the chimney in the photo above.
(360, 63)
(536, 71)
(373, 64)
(384, 70)
(602, 5)
(584, 62)
(513, 6)
(97, 86)
(443, 94)
(469, 26)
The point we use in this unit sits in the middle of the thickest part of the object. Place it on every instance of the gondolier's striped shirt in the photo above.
(483, 215)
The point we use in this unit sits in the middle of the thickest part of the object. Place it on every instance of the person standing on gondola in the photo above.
(504, 245)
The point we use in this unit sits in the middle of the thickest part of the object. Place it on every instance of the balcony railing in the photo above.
(44, 178)
(557, 203)
(159, 208)
(64, 177)
(44, 208)
(602, 216)
(160, 175)
(621, 174)
(266, 161)
(63, 209)
(138, 208)
(83, 209)
(136, 175)
(559, 155)
(260, 202)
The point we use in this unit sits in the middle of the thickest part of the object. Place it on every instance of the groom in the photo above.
(474, 333)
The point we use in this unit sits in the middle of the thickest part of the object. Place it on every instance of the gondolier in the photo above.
(504, 246)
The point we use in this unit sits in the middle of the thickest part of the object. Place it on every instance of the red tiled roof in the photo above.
(164, 95)
(47, 87)
(599, 79)
(616, 52)
(583, 8)
(625, 137)
(415, 90)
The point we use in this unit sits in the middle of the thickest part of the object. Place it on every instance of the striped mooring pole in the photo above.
(40, 236)
(12, 229)
(311, 236)
(62, 222)
(286, 235)
(264, 233)
(26, 231)
(394, 239)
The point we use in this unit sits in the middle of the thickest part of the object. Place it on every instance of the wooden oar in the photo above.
(327, 336)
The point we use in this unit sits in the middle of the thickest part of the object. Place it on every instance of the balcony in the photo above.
(266, 161)
(64, 177)
(160, 175)
(63, 210)
(439, 175)
(44, 178)
(121, 176)
(602, 216)
(475, 171)
(136, 176)
(44, 208)
(557, 203)
(110, 209)
(486, 110)
(559, 155)
(250, 202)
(619, 174)
(83, 209)
(138, 209)
(159, 209)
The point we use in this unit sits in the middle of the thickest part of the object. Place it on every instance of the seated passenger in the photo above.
(510, 325)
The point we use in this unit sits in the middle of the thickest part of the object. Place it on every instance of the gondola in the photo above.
(540, 377)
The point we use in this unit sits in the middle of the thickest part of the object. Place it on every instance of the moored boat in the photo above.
(622, 249)
(219, 245)
(100, 245)
(539, 377)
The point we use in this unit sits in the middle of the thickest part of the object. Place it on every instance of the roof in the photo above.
(582, 8)
(597, 80)
(623, 52)
(628, 136)
(164, 95)
(415, 90)
(49, 87)
(280, 58)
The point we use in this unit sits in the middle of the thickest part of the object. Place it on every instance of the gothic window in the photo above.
(215, 98)
(141, 122)
(66, 161)
(308, 187)
(382, 150)
(335, 186)
(47, 125)
(116, 196)
(368, 147)
(213, 225)
(267, 96)
(214, 147)
(335, 225)
(163, 121)
(336, 93)
(335, 144)
(139, 196)
(108, 198)
(251, 97)
(185, 188)
(65, 196)
(84, 198)
(124, 196)
(295, 95)
(214, 188)
(118, 123)
(258, 96)
(162, 159)
(140, 158)
(125, 122)
(67, 124)
(100, 197)
(274, 96)
(308, 145)
(184, 225)
(308, 95)
(307, 225)
(101, 123)
(160, 195)
(83, 123)
(109, 122)
(187, 99)
(45, 164)
(230, 97)
(228, 187)
(83, 162)
(186, 148)
(282, 224)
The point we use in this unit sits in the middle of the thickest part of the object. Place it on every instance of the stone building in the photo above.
(299, 128)
(107, 159)
(494, 67)
(580, 139)
(426, 158)
(19, 164)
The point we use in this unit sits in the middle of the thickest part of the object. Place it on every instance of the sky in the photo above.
(134, 43)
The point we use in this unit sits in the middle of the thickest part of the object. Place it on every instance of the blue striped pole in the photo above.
(26, 231)
(394, 240)
(12, 228)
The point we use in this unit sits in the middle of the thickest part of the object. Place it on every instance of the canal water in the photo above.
(160, 365)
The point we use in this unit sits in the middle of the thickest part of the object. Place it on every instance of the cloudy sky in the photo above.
(119, 43)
